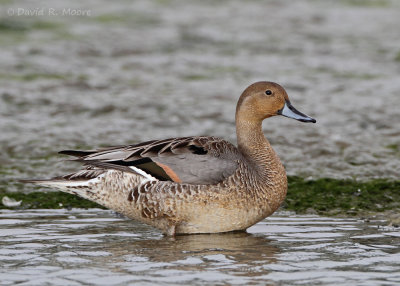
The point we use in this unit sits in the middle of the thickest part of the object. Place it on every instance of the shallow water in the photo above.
(140, 70)
(86, 247)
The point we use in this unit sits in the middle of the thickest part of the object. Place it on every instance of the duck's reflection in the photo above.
(139, 250)
(237, 253)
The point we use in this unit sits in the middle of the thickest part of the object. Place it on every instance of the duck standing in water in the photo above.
(192, 184)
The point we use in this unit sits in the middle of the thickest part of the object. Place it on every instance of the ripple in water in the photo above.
(81, 247)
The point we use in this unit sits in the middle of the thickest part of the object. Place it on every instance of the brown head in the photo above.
(265, 99)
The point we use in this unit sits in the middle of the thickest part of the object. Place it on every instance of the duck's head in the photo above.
(265, 99)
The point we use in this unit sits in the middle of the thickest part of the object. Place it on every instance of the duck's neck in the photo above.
(255, 147)
(272, 180)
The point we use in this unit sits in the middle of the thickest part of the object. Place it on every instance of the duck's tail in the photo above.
(98, 184)
(68, 186)
(70, 183)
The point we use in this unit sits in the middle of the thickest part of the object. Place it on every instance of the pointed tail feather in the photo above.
(106, 184)
(68, 186)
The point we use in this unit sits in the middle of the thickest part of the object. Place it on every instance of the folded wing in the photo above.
(192, 160)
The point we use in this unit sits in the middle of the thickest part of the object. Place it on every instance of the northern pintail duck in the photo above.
(192, 184)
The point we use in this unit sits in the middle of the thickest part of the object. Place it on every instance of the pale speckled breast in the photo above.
(238, 202)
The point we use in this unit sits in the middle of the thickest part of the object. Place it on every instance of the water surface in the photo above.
(133, 71)
(86, 247)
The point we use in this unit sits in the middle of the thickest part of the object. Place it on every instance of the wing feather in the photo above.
(192, 160)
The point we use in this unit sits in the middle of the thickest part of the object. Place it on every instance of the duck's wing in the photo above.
(192, 160)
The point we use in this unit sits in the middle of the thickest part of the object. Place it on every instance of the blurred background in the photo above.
(85, 74)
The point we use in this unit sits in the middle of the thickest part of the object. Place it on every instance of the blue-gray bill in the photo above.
(289, 111)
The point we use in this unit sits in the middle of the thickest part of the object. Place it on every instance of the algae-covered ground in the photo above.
(115, 72)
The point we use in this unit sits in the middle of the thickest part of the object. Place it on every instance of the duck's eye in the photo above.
(268, 92)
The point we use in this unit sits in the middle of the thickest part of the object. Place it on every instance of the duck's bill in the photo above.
(289, 111)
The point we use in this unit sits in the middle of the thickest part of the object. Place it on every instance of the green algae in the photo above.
(18, 30)
(322, 196)
(331, 196)
(397, 57)
(367, 3)
(394, 149)
(48, 200)
(195, 77)
(8, 25)
(132, 18)
(32, 76)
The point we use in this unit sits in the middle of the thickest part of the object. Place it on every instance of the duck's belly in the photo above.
(214, 219)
